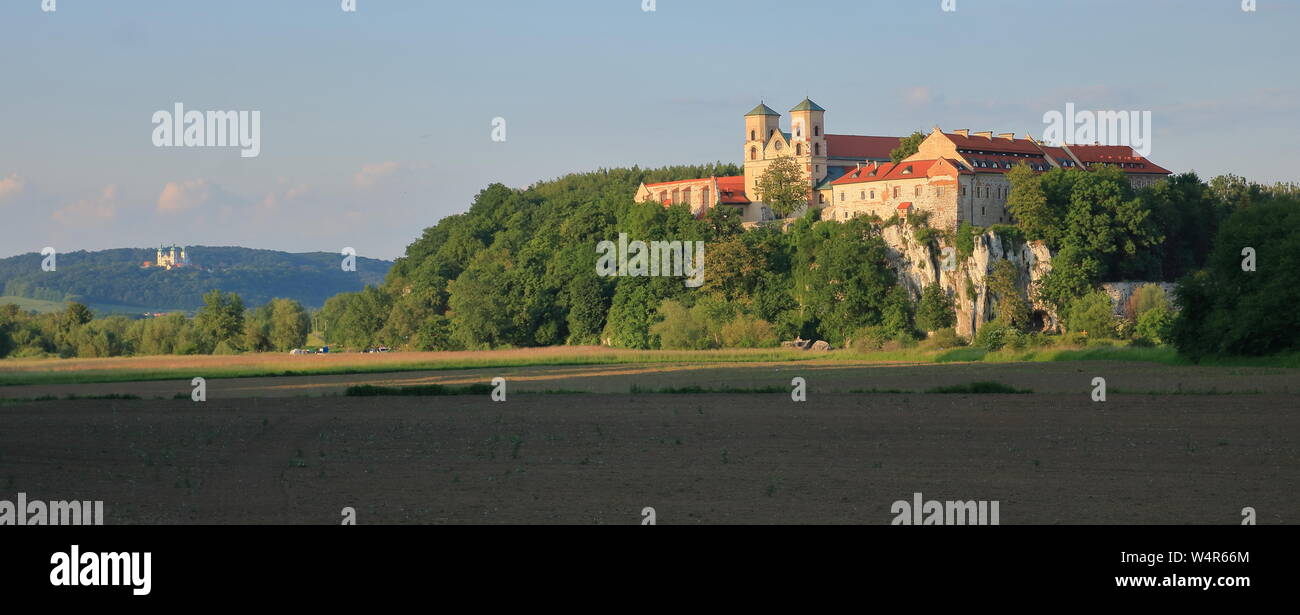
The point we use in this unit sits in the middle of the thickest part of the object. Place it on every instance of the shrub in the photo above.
(993, 335)
(681, 329)
(944, 338)
(871, 338)
(748, 332)
(935, 310)
(1155, 324)
(1091, 313)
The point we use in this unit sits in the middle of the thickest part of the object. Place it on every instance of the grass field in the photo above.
(132, 369)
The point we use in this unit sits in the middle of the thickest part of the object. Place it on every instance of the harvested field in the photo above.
(710, 458)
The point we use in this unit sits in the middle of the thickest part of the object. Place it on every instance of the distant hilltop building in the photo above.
(170, 258)
(956, 176)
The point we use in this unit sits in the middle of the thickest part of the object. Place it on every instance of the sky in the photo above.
(377, 123)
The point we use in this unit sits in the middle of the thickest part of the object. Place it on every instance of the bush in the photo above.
(1155, 324)
(868, 339)
(748, 332)
(681, 328)
(943, 339)
(1093, 314)
(993, 335)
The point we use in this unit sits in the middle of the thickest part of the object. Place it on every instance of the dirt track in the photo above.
(738, 458)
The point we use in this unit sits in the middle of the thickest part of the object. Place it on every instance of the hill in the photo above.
(114, 280)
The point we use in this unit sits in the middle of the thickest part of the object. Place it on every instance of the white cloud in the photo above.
(92, 210)
(372, 174)
(184, 196)
(11, 186)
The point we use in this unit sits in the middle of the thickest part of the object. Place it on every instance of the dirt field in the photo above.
(710, 458)
(822, 376)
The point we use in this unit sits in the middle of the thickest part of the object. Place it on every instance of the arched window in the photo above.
(686, 196)
(753, 153)
(817, 130)
(663, 196)
(798, 149)
(751, 135)
(817, 149)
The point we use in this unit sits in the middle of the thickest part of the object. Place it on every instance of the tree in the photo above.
(783, 186)
(289, 324)
(935, 310)
(1226, 311)
(906, 146)
(221, 319)
(1013, 308)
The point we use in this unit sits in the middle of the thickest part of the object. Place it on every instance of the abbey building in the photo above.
(956, 177)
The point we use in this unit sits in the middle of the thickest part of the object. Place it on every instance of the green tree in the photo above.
(289, 324)
(1013, 308)
(935, 310)
(1226, 311)
(783, 186)
(221, 319)
(906, 146)
(681, 328)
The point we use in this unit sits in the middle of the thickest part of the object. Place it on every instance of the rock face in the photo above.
(920, 265)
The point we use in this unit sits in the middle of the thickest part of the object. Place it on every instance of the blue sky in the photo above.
(375, 124)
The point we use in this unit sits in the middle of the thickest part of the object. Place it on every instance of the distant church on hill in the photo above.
(956, 176)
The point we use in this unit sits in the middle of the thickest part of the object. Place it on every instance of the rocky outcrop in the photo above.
(920, 264)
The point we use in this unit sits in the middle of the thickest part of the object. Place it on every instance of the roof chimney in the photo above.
(965, 132)
(1010, 136)
(987, 134)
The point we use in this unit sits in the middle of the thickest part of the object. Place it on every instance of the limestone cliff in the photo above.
(919, 265)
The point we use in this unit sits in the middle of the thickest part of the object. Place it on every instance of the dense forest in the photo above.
(116, 277)
(519, 269)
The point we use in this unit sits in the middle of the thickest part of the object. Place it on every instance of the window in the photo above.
(704, 197)
(753, 153)
(842, 196)
(981, 211)
(821, 198)
(686, 196)
(963, 190)
(817, 149)
(677, 194)
(916, 191)
(873, 194)
(751, 135)
(798, 149)
(938, 190)
(896, 191)
(663, 196)
(863, 196)
(817, 130)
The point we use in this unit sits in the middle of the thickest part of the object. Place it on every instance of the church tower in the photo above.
(808, 133)
(760, 125)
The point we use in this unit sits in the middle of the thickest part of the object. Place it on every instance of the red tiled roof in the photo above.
(888, 170)
(1120, 155)
(907, 205)
(679, 181)
(855, 146)
(993, 144)
(731, 190)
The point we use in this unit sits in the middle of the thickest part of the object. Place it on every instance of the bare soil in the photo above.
(704, 458)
